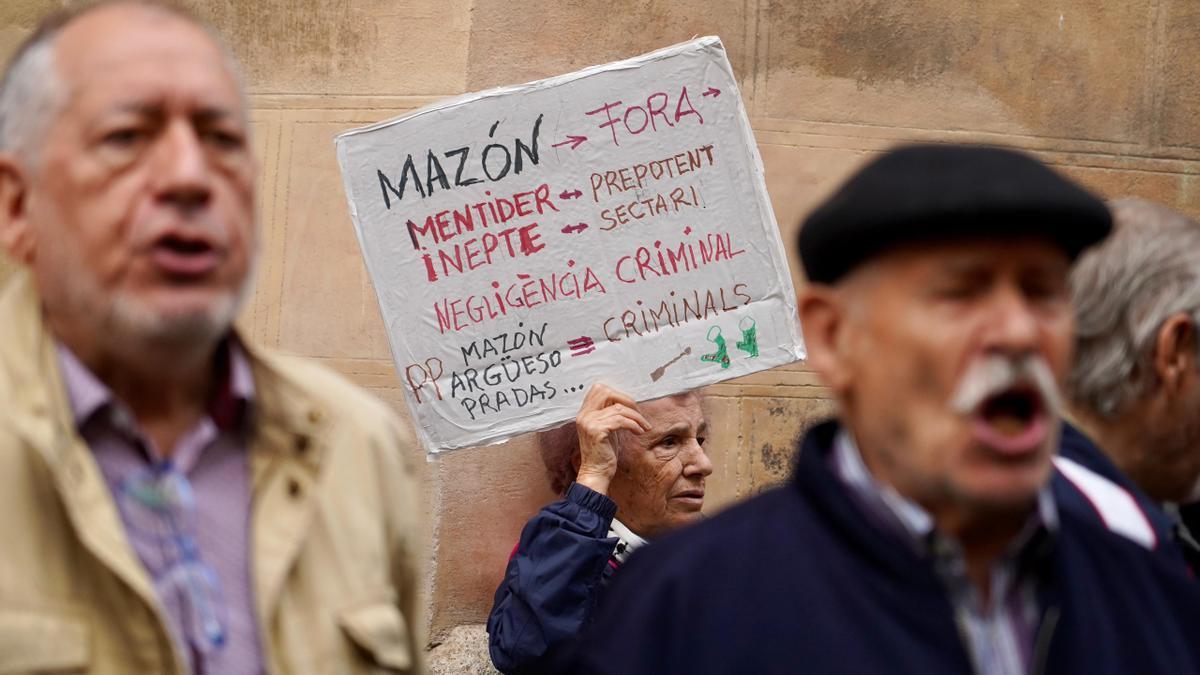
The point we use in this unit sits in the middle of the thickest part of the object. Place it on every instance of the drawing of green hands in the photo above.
(749, 341)
(720, 356)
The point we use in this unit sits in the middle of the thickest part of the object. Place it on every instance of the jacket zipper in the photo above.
(1041, 647)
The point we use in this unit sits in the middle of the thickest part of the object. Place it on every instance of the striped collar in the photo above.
(627, 541)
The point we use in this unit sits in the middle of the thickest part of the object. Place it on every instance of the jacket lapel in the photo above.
(40, 414)
(285, 465)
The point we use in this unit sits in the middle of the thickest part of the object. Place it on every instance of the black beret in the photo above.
(936, 192)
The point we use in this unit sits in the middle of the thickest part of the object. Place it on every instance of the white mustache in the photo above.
(991, 374)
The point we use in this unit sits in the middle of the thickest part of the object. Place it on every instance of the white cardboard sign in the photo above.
(608, 225)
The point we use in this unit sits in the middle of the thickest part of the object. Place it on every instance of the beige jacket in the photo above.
(334, 526)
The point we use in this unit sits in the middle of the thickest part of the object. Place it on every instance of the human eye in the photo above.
(955, 289)
(1044, 288)
(124, 136)
(667, 447)
(225, 139)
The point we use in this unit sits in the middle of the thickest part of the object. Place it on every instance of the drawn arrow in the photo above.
(581, 346)
(575, 141)
(712, 91)
(572, 229)
(574, 194)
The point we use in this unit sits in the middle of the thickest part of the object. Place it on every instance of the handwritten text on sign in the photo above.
(610, 224)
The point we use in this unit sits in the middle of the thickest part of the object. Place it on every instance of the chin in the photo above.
(686, 518)
(176, 323)
(1007, 490)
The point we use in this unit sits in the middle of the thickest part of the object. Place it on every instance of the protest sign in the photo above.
(607, 225)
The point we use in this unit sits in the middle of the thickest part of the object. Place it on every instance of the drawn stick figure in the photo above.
(720, 356)
(749, 341)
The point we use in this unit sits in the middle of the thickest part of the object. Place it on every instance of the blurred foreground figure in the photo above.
(1135, 386)
(920, 534)
(174, 500)
(629, 472)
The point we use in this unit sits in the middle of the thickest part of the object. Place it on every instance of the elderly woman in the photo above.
(628, 472)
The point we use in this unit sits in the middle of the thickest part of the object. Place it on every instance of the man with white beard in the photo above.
(920, 533)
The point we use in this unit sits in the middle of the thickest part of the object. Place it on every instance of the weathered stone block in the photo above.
(573, 35)
(346, 47)
(484, 497)
(1067, 69)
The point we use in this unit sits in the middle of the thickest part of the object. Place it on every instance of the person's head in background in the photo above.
(1135, 383)
(658, 479)
(127, 184)
(938, 313)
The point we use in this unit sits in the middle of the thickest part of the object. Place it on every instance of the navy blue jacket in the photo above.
(1077, 447)
(553, 582)
(797, 580)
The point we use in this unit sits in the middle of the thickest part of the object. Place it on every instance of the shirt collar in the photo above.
(87, 395)
(907, 519)
(627, 540)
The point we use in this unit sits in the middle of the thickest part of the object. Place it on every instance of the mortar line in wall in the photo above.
(750, 35)
(762, 49)
(953, 130)
(1167, 172)
(435, 541)
(741, 404)
(264, 322)
(282, 243)
(1116, 152)
(1153, 80)
(892, 129)
(470, 32)
(336, 96)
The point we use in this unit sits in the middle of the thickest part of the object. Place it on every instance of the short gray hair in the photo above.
(32, 93)
(1124, 289)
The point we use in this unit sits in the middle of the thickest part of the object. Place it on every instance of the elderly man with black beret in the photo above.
(921, 532)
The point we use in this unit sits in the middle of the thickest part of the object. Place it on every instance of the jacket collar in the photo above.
(820, 484)
(817, 483)
(288, 446)
(38, 411)
(909, 521)
(31, 380)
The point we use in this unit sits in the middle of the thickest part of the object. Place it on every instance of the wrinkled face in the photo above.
(141, 200)
(953, 354)
(659, 484)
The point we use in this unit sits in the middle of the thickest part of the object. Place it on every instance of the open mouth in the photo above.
(1012, 421)
(184, 257)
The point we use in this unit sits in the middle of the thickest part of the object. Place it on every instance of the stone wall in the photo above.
(1105, 91)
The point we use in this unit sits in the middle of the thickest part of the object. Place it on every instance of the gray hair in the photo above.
(1124, 289)
(32, 92)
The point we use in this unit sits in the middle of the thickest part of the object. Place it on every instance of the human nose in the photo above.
(184, 176)
(1014, 326)
(698, 464)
